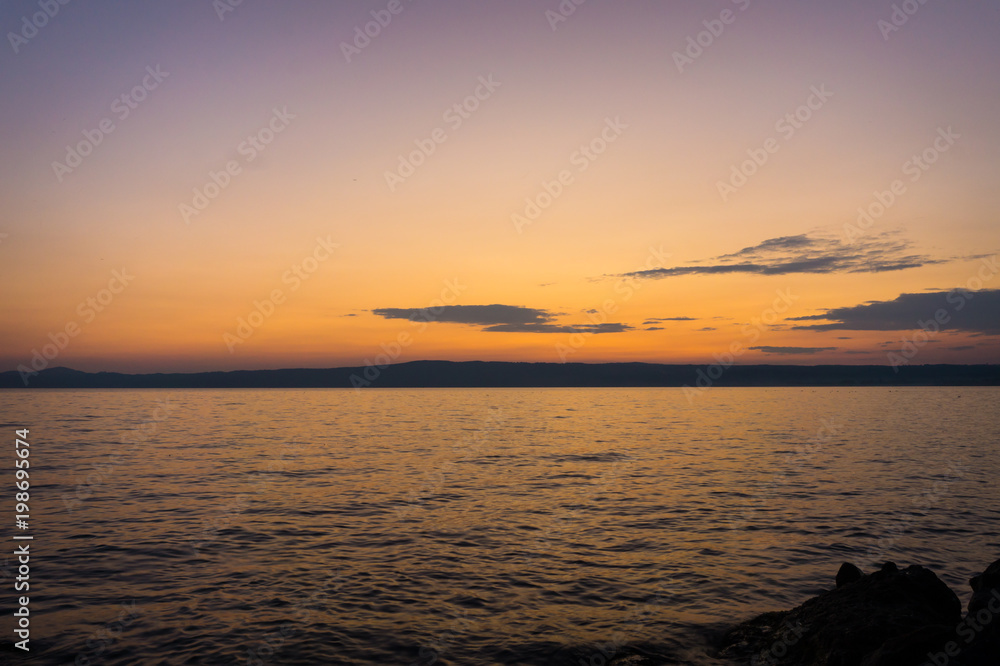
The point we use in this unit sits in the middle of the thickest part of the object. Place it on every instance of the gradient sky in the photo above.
(641, 255)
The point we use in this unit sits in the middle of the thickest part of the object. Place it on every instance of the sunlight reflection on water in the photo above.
(480, 526)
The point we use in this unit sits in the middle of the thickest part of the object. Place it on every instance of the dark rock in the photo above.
(983, 587)
(978, 635)
(912, 648)
(891, 617)
(848, 574)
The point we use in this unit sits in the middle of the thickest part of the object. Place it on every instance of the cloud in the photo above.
(558, 328)
(780, 244)
(663, 319)
(708, 328)
(481, 315)
(960, 310)
(961, 348)
(793, 350)
(805, 254)
(498, 319)
(654, 328)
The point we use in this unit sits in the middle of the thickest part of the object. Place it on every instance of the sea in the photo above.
(473, 527)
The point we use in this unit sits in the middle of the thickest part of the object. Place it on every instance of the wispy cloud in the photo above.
(665, 319)
(558, 328)
(793, 350)
(805, 254)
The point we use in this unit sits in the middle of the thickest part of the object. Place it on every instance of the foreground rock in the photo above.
(891, 617)
(978, 635)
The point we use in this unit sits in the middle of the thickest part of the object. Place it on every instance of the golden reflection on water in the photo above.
(474, 522)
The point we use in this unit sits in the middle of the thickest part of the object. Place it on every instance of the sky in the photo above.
(201, 185)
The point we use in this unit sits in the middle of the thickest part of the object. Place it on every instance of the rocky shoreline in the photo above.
(891, 617)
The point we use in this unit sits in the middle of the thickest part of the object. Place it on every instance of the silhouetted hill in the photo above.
(500, 374)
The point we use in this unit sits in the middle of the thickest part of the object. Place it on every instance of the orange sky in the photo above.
(530, 100)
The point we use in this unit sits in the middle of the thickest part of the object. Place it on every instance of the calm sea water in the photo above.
(469, 527)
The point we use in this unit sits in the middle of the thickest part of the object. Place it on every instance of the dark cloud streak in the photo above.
(959, 310)
(793, 350)
(498, 318)
(805, 254)
(481, 315)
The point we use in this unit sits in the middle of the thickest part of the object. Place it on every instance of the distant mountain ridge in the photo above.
(496, 374)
